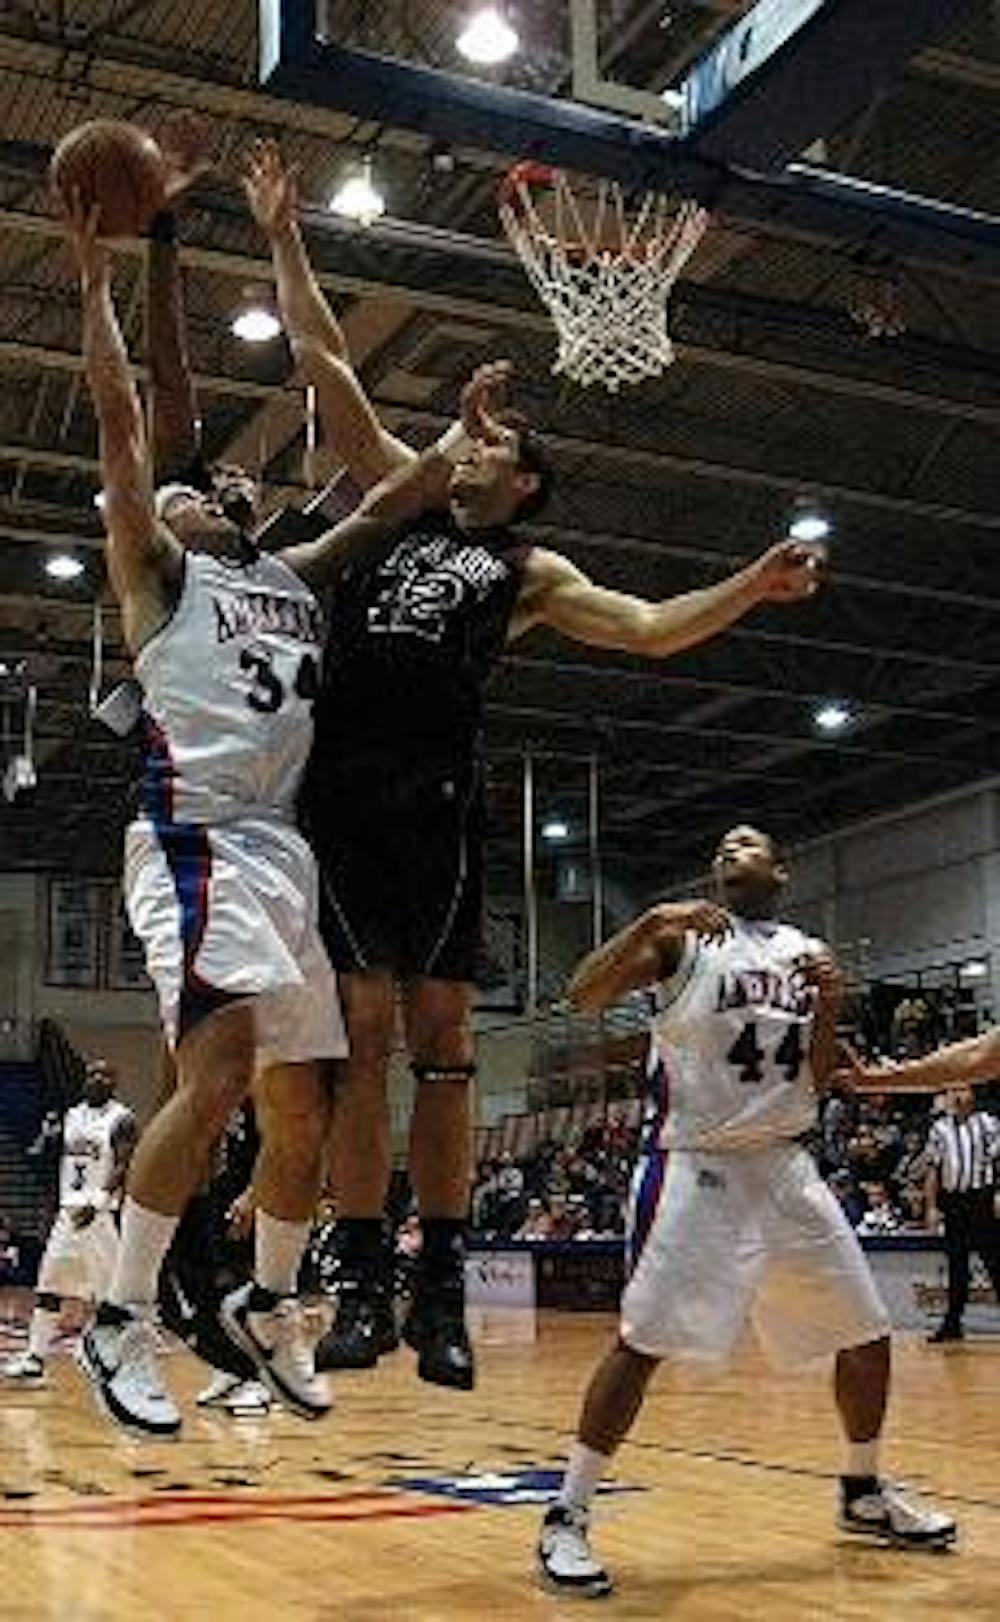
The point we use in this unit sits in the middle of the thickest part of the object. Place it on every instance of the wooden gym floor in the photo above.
(731, 1516)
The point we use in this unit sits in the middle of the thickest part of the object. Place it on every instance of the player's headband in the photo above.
(168, 493)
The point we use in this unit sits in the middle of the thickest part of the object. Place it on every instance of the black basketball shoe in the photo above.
(435, 1328)
(363, 1330)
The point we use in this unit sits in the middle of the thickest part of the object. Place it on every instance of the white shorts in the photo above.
(230, 912)
(718, 1241)
(79, 1261)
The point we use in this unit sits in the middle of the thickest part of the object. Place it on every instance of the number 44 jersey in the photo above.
(228, 685)
(729, 1055)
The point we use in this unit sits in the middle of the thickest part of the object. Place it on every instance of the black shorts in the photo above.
(401, 871)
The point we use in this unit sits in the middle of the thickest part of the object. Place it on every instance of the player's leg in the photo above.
(28, 1367)
(871, 1505)
(439, 1039)
(262, 1317)
(986, 1237)
(612, 1402)
(360, 1168)
(689, 1290)
(818, 1297)
(957, 1244)
(214, 1068)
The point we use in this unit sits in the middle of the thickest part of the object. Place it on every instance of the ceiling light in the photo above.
(833, 716)
(975, 969)
(555, 829)
(358, 197)
(808, 525)
(256, 325)
(63, 567)
(488, 38)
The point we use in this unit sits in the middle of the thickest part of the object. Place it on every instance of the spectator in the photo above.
(537, 1224)
(880, 1216)
(10, 1253)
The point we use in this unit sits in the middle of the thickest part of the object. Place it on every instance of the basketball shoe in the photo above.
(25, 1368)
(268, 1328)
(435, 1328)
(118, 1355)
(883, 1510)
(235, 1396)
(565, 1563)
(363, 1330)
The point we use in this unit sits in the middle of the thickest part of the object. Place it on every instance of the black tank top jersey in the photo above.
(412, 641)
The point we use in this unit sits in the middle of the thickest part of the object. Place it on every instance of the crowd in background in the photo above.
(870, 1150)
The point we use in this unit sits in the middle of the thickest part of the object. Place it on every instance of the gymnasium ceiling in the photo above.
(779, 394)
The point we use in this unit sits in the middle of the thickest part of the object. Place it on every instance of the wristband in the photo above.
(163, 227)
(454, 443)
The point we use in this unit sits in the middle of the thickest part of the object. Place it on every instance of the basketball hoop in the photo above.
(603, 266)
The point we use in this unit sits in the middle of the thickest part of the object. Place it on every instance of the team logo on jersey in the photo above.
(788, 993)
(250, 613)
(424, 582)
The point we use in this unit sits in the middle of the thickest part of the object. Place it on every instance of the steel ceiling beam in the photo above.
(811, 203)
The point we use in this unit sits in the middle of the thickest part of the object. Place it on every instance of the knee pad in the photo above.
(455, 1075)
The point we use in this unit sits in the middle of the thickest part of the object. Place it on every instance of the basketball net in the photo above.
(603, 267)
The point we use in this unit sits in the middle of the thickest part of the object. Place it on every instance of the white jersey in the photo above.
(228, 685)
(88, 1157)
(729, 1055)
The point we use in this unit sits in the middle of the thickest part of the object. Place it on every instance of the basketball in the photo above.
(114, 164)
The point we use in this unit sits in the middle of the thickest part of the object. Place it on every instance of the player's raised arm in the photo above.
(414, 488)
(561, 596)
(350, 424)
(144, 561)
(647, 950)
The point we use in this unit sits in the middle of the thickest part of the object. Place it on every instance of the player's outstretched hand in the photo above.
(852, 1072)
(183, 140)
(271, 189)
(790, 571)
(83, 227)
(482, 397)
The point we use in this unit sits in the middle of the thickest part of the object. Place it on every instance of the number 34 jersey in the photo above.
(228, 686)
(729, 1055)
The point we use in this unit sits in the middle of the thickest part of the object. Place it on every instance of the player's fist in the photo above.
(704, 918)
(789, 572)
(821, 969)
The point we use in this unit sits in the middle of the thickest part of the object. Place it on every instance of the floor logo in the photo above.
(497, 1488)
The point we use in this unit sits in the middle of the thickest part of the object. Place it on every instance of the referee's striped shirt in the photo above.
(965, 1153)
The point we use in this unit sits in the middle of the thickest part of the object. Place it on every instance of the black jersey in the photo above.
(412, 641)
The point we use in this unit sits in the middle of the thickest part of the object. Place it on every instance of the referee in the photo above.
(963, 1152)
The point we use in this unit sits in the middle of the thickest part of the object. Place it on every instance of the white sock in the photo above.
(278, 1252)
(145, 1240)
(585, 1468)
(861, 1458)
(42, 1332)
